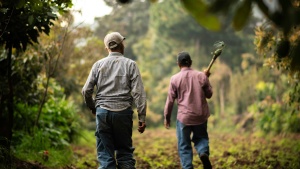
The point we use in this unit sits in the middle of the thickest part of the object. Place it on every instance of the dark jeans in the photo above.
(199, 138)
(114, 139)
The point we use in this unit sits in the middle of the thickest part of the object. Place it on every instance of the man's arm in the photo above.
(203, 78)
(138, 93)
(87, 90)
(139, 96)
(207, 88)
(169, 105)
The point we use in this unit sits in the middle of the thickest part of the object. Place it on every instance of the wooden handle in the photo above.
(215, 56)
(210, 64)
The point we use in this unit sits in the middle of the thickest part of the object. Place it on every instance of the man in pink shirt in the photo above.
(191, 88)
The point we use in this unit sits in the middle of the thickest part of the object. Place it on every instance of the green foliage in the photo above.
(242, 14)
(280, 44)
(59, 118)
(273, 115)
(199, 10)
(25, 114)
(281, 53)
(24, 20)
(25, 69)
(294, 96)
(38, 148)
(58, 123)
(38, 142)
(284, 19)
(21, 24)
(48, 143)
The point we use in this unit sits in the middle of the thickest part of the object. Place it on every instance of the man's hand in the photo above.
(94, 112)
(206, 72)
(142, 127)
(167, 124)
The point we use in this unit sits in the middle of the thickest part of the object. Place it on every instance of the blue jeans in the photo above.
(114, 139)
(199, 138)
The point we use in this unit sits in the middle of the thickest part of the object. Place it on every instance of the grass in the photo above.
(54, 158)
(84, 152)
(157, 149)
(39, 152)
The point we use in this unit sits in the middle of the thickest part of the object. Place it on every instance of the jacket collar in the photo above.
(115, 54)
(185, 68)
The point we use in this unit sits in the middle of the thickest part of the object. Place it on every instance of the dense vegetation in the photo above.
(45, 60)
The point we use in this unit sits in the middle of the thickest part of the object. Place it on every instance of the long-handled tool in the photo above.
(219, 48)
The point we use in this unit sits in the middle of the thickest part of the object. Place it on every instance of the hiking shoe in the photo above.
(205, 161)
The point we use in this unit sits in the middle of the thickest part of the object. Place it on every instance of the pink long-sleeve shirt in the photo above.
(191, 88)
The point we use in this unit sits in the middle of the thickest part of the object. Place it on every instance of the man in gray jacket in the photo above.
(118, 84)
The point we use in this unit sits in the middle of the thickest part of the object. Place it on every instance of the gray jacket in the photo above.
(118, 83)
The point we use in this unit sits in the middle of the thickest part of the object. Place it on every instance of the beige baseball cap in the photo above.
(112, 39)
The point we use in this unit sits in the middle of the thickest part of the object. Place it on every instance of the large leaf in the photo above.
(242, 14)
(199, 10)
(30, 19)
(219, 6)
(20, 4)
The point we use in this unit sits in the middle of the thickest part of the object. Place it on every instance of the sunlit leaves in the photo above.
(242, 14)
(295, 59)
(272, 115)
(199, 10)
(264, 39)
(283, 50)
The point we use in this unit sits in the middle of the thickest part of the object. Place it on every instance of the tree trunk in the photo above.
(42, 102)
(10, 104)
(197, 47)
(7, 117)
